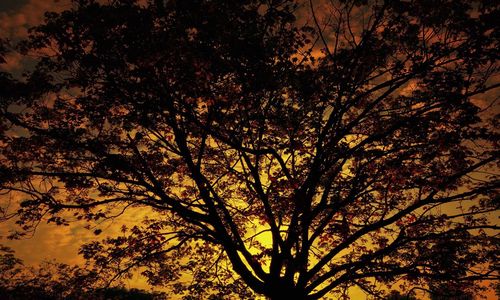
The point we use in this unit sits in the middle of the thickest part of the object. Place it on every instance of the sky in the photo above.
(16, 16)
(12, 5)
(50, 241)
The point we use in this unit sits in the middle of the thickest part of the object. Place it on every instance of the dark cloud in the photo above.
(11, 5)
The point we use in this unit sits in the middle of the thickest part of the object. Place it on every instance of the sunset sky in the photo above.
(16, 16)
(50, 241)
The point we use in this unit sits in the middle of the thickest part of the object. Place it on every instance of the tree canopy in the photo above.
(291, 149)
(57, 281)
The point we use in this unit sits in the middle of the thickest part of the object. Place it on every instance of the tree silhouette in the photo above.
(395, 295)
(52, 281)
(288, 149)
(445, 295)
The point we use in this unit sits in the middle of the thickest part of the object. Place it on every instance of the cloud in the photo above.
(13, 62)
(61, 242)
(14, 24)
(11, 5)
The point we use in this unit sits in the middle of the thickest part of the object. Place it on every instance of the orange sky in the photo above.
(51, 241)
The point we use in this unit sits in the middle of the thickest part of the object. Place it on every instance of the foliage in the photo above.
(53, 281)
(290, 149)
(395, 295)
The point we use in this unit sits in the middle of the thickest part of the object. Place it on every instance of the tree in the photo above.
(446, 295)
(395, 295)
(52, 281)
(284, 149)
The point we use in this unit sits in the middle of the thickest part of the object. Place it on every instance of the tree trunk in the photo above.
(286, 293)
